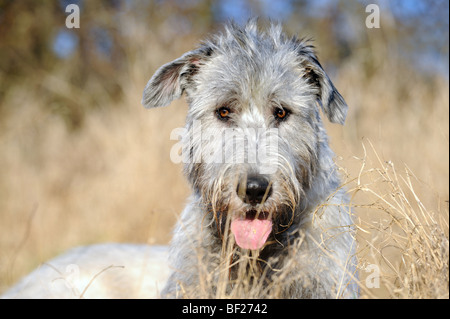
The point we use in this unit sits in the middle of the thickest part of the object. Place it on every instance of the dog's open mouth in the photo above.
(251, 231)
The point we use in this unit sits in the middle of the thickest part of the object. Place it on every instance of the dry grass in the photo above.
(407, 242)
(113, 180)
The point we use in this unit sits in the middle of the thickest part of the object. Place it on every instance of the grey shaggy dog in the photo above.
(267, 217)
(289, 208)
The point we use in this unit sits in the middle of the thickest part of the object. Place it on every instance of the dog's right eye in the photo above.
(281, 114)
(223, 113)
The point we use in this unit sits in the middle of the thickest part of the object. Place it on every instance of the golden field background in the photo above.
(82, 162)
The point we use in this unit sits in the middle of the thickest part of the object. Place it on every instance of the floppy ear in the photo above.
(331, 101)
(170, 80)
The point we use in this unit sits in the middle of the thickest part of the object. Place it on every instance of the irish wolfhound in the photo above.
(257, 157)
(267, 217)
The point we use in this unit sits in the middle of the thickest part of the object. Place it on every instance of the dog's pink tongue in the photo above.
(251, 233)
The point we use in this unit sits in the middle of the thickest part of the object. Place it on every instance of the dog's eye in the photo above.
(223, 113)
(280, 114)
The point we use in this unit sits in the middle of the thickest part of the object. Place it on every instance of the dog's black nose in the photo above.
(257, 187)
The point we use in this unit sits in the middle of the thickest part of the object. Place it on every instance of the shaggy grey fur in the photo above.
(252, 82)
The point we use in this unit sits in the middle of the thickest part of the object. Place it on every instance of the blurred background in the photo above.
(82, 162)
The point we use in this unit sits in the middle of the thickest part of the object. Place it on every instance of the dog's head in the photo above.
(255, 143)
(229, 64)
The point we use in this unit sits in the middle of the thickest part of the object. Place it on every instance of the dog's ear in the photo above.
(331, 101)
(170, 80)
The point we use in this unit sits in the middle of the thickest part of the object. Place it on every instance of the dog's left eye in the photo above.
(280, 114)
(223, 113)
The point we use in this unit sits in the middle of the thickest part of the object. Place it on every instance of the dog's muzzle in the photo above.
(252, 230)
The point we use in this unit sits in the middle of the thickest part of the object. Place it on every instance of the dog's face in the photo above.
(254, 130)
